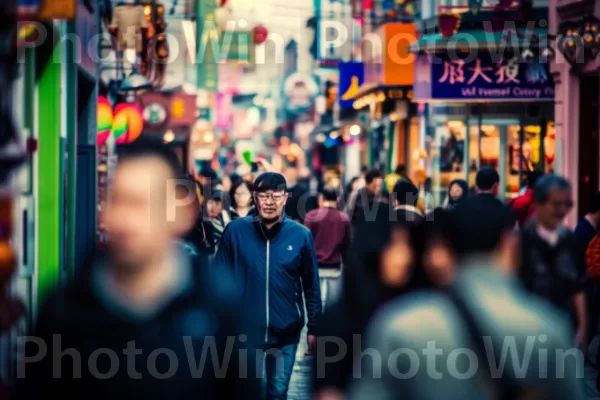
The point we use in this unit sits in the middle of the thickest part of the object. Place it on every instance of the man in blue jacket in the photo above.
(274, 260)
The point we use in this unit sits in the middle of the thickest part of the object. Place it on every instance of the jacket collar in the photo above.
(266, 233)
(409, 208)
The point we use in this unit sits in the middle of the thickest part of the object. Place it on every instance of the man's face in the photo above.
(376, 186)
(552, 212)
(136, 217)
(270, 204)
(133, 216)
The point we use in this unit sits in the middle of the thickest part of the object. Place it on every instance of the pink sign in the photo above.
(224, 111)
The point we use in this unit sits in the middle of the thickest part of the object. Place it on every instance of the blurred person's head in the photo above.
(487, 181)
(400, 170)
(533, 177)
(354, 184)
(457, 191)
(270, 196)
(328, 197)
(405, 193)
(374, 182)
(594, 211)
(149, 206)
(241, 194)
(235, 178)
(214, 206)
(552, 198)
(208, 177)
(363, 171)
(437, 257)
(483, 228)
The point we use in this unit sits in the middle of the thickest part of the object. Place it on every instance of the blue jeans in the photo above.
(279, 365)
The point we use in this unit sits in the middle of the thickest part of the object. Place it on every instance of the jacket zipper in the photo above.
(268, 256)
(297, 308)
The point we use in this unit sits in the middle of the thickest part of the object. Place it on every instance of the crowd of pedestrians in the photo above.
(208, 289)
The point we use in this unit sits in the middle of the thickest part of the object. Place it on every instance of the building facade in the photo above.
(577, 96)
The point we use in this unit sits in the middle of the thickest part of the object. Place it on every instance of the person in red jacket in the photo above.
(524, 206)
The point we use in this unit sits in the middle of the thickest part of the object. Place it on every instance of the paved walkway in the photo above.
(300, 384)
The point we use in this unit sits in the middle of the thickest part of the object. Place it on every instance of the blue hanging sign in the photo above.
(352, 76)
(482, 79)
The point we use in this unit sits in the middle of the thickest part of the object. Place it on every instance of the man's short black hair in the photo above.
(400, 169)
(406, 193)
(486, 178)
(147, 147)
(478, 225)
(546, 184)
(270, 181)
(329, 194)
(373, 174)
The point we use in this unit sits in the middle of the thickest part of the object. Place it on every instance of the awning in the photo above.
(465, 41)
(377, 93)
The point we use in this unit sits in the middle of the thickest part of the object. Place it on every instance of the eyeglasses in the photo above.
(564, 204)
(277, 197)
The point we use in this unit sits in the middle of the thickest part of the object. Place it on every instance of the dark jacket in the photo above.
(409, 215)
(554, 273)
(202, 317)
(299, 203)
(272, 268)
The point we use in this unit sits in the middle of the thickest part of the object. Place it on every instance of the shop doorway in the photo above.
(588, 141)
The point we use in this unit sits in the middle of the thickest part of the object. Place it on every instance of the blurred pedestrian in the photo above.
(457, 192)
(379, 270)
(483, 314)
(553, 259)
(487, 181)
(201, 235)
(145, 298)
(363, 205)
(274, 260)
(588, 226)
(300, 200)
(332, 233)
(405, 197)
(524, 205)
(242, 203)
(214, 210)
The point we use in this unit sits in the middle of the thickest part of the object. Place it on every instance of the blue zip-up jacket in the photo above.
(273, 267)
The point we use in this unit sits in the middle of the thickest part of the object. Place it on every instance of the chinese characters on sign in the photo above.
(483, 79)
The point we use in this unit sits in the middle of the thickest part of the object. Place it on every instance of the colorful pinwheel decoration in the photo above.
(104, 117)
(128, 123)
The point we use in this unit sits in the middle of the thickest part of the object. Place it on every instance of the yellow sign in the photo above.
(177, 108)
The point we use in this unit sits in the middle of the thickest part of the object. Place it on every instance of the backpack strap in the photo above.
(503, 388)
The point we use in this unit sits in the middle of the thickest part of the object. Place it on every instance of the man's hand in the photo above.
(312, 344)
(329, 394)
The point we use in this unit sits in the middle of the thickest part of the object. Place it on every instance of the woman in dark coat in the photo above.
(202, 234)
(382, 267)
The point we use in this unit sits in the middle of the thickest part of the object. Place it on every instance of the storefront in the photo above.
(385, 98)
(575, 71)
(484, 113)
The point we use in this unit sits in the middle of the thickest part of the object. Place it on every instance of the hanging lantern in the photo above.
(589, 33)
(448, 24)
(104, 116)
(570, 43)
(128, 123)
(260, 34)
